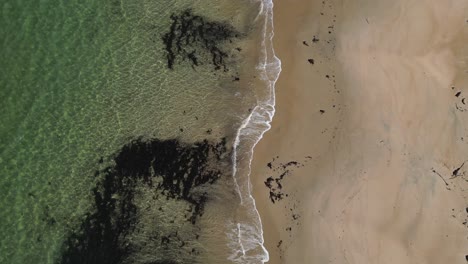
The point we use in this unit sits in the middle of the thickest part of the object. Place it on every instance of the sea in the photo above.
(127, 129)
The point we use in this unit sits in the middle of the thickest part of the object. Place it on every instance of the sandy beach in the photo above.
(365, 160)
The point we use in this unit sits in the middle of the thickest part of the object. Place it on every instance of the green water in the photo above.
(79, 79)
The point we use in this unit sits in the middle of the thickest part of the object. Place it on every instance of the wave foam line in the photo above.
(250, 248)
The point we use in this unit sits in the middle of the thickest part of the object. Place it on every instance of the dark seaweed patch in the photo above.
(172, 168)
(193, 38)
(275, 183)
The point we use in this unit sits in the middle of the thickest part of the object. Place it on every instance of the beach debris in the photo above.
(236, 79)
(311, 61)
(461, 109)
(305, 43)
(315, 39)
(279, 243)
(455, 172)
(268, 182)
(275, 191)
(291, 163)
(322, 111)
(438, 174)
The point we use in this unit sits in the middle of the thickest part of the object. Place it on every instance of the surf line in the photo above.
(250, 133)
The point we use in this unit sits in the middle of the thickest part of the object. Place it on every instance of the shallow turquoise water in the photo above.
(80, 79)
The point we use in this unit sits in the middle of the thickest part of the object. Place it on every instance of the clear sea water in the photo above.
(81, 79)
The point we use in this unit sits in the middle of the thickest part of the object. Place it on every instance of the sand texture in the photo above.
(371, 111)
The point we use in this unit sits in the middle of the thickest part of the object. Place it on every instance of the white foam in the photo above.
(246, 236)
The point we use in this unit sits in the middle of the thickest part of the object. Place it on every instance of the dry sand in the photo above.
(376, 179)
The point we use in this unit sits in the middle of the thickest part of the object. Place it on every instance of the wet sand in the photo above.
(367, 148)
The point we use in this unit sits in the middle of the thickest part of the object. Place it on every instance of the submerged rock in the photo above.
(197, 40)
(176, 170)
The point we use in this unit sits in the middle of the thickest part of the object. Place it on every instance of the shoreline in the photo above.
(250, 235)
(281, 219)
(367, 106)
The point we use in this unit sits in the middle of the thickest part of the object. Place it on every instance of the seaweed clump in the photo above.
(274, 184)
(173, 168)
(193, 38)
